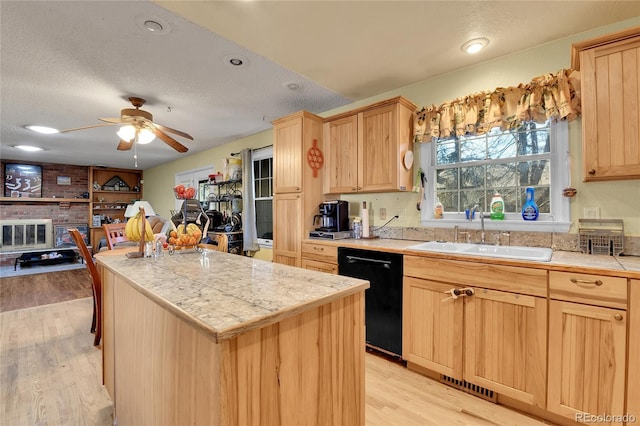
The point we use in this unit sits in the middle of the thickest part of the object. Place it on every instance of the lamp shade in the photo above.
(133, 209)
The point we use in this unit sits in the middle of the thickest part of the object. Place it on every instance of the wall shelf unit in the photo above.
(111, 203)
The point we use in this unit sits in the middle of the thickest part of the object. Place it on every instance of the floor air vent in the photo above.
(476, 390)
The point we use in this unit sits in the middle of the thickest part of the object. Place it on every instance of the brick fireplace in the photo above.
(59, 214)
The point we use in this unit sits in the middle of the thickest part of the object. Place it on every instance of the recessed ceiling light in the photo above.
(291, 85)
(475, 45)
(42, 129)
(28, 148)
(152, 24)
(236, 60)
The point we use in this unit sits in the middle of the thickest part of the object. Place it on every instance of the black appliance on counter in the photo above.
(333, 216)
(383, 299)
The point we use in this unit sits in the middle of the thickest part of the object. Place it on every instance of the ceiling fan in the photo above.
(138, 127)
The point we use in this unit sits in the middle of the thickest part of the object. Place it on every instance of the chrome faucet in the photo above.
(475, 209)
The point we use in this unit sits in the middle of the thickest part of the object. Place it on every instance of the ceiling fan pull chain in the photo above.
(135, 155)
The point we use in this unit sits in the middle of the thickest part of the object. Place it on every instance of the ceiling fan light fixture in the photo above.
(475, 45)
(127, 133)
(145, 136)
(42, 129)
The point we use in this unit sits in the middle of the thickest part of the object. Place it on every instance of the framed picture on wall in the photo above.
(22, 180)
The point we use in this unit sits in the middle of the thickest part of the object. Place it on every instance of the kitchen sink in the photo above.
(539, 254)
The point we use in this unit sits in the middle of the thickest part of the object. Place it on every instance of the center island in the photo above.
(218, 339)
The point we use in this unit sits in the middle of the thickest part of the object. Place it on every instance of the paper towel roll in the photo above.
(365, 220)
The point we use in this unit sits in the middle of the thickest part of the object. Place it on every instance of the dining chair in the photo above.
(114, 232)
(96, 323)
(221, 244)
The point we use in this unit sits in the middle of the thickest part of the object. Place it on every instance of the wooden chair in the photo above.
(96, 324)
(114, 233)
(222, 244)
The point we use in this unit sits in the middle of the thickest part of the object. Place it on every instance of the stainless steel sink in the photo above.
(539, 254)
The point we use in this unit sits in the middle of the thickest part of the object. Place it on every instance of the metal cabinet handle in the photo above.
(353, 188)
(617, 317)
(588, 282)
(318, 248)
(592, 171)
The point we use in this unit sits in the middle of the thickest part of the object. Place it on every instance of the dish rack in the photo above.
(601, 236)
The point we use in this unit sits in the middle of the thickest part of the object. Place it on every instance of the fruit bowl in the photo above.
(183, 236)
(183, 193)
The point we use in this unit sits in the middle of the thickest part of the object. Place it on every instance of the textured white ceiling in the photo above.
(65, 64)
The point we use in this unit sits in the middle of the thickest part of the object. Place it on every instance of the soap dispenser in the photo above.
(530, 209)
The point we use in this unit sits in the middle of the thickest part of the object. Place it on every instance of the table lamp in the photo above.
(133, 209)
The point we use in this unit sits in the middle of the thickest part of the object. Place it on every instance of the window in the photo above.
(263, 189)
(467, 171)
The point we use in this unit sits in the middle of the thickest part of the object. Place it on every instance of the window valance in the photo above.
(549, 96)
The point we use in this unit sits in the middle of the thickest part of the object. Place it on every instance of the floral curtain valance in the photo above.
(549, 96)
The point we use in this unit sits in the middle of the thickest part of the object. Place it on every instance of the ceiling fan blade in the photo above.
(124, 145)
(112, 120)
(87, 127)
(169, 140)
(174, 131)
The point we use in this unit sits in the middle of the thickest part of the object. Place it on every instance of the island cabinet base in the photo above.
(306, 369)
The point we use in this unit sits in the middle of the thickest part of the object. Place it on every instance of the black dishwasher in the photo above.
(383, 300)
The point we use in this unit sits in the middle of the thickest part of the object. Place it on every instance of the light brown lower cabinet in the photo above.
(287, 228)
(633, 374)
(587, 349)
(320, 257)
(587, 346)
(492, 338)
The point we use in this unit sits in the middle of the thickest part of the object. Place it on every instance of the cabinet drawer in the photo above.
(324, 253)
(479, 274)
(586, 288)
(314, 265)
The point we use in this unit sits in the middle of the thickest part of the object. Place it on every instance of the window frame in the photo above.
(558, 220)
(258, 155)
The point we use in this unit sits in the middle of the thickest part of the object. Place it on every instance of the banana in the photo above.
(127, 228)
(133, 229)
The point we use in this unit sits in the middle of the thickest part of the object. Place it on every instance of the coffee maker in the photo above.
(333, 216)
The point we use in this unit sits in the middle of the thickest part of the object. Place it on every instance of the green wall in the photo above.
(618, 199)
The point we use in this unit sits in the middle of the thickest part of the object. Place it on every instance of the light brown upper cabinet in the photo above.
(610, 79)
(365, 149)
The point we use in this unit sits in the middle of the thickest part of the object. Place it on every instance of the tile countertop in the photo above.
(624, 266)
(229, 294)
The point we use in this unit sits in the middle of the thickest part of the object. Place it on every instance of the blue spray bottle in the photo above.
(530, 209)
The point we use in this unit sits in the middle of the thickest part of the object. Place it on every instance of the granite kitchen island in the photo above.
(220, 339)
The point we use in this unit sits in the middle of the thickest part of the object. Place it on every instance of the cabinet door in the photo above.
(378, 149)
(506, 344)
(633, 378)
(432, 327)
(341, 155)
(287, 228)
(586, 359)
(610, 119)
(287, 156)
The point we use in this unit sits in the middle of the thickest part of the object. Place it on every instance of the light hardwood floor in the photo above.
(50, 374)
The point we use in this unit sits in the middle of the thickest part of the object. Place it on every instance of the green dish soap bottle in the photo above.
(530, 209)
(497, 207)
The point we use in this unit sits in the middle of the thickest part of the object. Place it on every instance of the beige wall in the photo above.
(618, 199)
